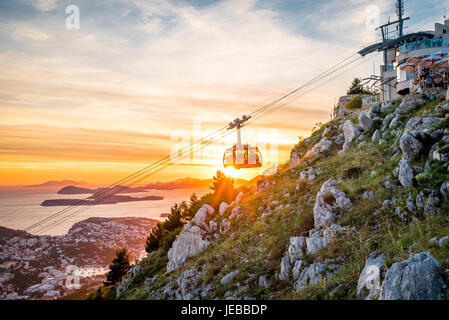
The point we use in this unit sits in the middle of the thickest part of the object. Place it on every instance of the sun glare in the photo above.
(231, 172)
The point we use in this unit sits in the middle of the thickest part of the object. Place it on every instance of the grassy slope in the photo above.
(256, 246)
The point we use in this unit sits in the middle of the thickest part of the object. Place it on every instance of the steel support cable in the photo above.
(167, 158)
(123, 180)
(210, 141)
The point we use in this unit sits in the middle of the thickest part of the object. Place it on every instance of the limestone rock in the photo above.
(189, 242)
(373, 111)
(371, 276)
(432, 203)
(324, 145)
(376, 136)
(263, 282)
(311, 275)
(227, 279)
(417, 278)
(410, 203)
(297, 248)
(285, 268)
(405, 175)
(297, 269)
(328, 200)
(442, 242)
(350, 131)
(409, 146)
(225, 225)
(223, 207)
(314, 244)
(239, 197)
(236, 213)
(386, 106)
(202, 215)
(421, 127)
(364, 122)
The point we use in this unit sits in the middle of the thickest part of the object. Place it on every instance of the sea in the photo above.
(20, 208)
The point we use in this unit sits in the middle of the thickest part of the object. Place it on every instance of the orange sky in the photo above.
(101, 102)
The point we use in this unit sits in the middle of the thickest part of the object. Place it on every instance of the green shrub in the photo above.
(354, 103)
(103, 293)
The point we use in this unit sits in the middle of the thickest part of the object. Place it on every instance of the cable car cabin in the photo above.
(243, 157)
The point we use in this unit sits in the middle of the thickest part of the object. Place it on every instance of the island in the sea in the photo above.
(114, 190)
(102, 199)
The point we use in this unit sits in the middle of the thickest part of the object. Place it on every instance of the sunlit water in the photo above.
(21, 208)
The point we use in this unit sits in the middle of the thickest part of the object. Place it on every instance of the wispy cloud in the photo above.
(43, 5)
(138, 70)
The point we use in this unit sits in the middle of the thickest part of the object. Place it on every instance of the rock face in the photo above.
(405, 175)
(189, 242)
(373, 110)
(386, 106)
(376, 136)
(285, 268)
(310, 275)
(350, 131)
(328, 200)
(371, 276)
(297, 248)
(420, 127)
(202, 215)
(223, 207)
(417, 278)
(190, 286)
(126, 283)
(409, 146)
(314, 244)
(364, 122)
(322, 146)
(227, 279)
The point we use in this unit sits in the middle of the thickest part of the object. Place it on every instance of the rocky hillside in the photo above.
(360, 211)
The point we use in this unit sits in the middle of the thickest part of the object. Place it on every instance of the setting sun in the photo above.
(231, 172)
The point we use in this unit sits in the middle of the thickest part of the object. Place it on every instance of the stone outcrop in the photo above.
(417, 278)
(373, 111)
(420, 127)
(405, 175)
(324, 145)
(365, 122)
(189, 242)
(202, 215)
(300, 246)
(297, 248)
(223, 207)
(310, 275)
(127, 282)
(314, 273)
(409, 146)
(386, 106)
(227, 279)
(191, 286)
(328, 200)
(371, 276)
(350, 131)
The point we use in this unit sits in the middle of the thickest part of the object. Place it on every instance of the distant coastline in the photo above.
(111, 199)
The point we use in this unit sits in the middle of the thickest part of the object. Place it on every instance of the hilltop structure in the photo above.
(394, 81)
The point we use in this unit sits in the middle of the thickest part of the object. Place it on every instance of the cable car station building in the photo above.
(394, 80)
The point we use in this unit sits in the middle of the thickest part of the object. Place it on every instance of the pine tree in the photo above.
(223, 187)
(119, 267)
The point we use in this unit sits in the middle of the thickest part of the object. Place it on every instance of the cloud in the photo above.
(43, 5)
(30, 34)
(138, 70)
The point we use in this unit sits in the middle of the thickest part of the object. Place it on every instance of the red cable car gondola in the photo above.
(241, 156)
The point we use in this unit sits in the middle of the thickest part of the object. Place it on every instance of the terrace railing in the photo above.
(424, 44)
